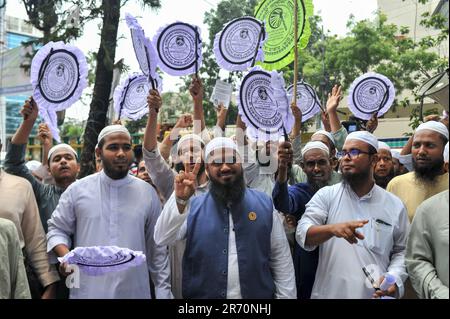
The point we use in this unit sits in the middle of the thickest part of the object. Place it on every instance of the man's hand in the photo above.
(186, 181)
(45, 135)
(63, 270)
(221, 112)
(391, 292)
(372, 124)
(291, 221)
(30, 110)
(334, 98)
(49, 292)
(348, 231)
(196, 90)
(296, 112)
(154, 101)
(184, 121)
(326, 121)
(285, 160)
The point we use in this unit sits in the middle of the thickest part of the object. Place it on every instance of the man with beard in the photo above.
(292, 200)
(428, 177)
(112, 208)
(384, 170)
(357, 225)
(235, 242)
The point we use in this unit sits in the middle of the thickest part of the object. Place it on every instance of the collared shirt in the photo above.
(100, 211)
(172, 226)
(413, 192)
(13, 278)
(17, 203)
(47, 196)
(427, 252)
(339, 273)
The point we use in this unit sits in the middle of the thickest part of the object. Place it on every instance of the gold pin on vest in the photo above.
(252, 216)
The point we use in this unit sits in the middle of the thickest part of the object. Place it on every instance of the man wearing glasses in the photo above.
(372, 221)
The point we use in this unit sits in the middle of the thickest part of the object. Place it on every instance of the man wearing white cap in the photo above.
(427, 256)
(399, 163)
(62, 161)
(292, 200)
(429, 177)
(357, 225)
(235, 243)
(384, 170)
(112, 208)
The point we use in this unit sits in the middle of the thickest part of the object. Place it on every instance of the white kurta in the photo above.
(100, 211)
(172, 227)
(339, 273)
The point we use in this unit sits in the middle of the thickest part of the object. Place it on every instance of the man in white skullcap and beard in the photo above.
(112, 208)
(429, 177)
(235, 242)
(384, 170)
(427, 251)
(355, 224)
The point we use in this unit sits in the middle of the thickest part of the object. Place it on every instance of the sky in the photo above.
(334, 15)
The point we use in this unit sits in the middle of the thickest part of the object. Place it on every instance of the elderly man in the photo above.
(292, 200)
(428, 177)
(427, 251)
(235, 242)
(333, 217)
(384, 170)
(62, 161)
(112, 208)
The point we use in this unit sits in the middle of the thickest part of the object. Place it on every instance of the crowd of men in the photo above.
(221, 217)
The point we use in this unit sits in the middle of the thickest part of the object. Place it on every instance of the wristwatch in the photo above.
(181, 201)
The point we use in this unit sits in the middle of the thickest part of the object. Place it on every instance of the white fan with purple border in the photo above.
(307, 100)
(130, 97)
(264, 106)
(100, 260)
(240, 44)
(143, 49)
(179, 48)
(371, 93)
(58, 77)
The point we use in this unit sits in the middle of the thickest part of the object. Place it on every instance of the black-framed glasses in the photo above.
(353, 153)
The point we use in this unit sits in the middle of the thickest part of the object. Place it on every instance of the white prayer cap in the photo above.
(220, 143)
(384, 146)
(60, 147)
(111, 129)
(315, 146)
(433, 126)
(33, 165)
(189, 137)
(395, 154)
(365, 137)
(327, 134)
(446, 153)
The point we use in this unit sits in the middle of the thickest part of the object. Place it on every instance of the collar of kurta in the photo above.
(115, 182)
(368, 196)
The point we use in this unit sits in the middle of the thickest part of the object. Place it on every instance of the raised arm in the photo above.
(184, 121)
(46, 139)
(154, 104)
(196, 91)
(332, 104)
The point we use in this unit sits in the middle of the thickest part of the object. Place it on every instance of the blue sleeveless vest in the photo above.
(205, 261)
